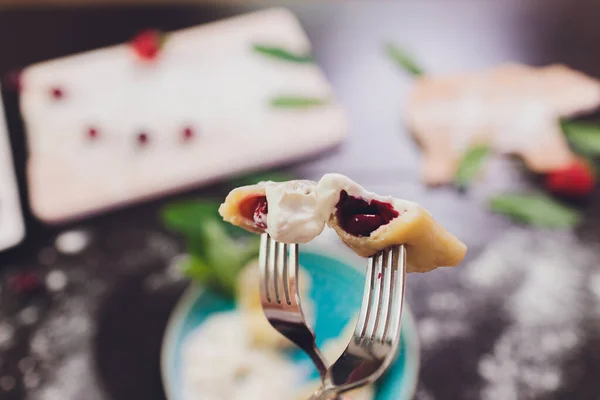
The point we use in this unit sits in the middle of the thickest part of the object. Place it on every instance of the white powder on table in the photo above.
(61, 345)
(72, 242)
(539, 278)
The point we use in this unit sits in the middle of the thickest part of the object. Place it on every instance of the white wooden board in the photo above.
(207, 78)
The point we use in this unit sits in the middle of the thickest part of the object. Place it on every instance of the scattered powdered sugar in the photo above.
(434, 330)
(56, 280)
(61, 345)
(72, 242)
(7, 332)
(540, 280)
(423, 394)
(526, 363)
(172, 273)
(445, 302)
(28, 316)
(7, 383)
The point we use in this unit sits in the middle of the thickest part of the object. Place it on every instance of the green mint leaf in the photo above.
(470, 165)
(282, 54)
(297, 102)
(197, 269)
(535, 209)
(216, 255)
(186, 217)
(583, 136)
(403, 60)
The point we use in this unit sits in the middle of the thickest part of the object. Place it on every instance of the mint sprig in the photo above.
(403, 59)
(470, 165)
(535, 209)
(583, 136)
(297, 101)
(283, 54)
(216, 254)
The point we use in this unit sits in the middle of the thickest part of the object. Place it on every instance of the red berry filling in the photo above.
(256, 209)
(359, 217)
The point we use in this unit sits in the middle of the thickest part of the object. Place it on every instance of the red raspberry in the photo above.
(13, 80)
(143, 138)
(576, 180)
(93, 133)
(147, 44)
(24, 282)
(57, 93)
(188, 133)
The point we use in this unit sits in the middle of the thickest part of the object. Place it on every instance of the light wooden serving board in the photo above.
(206, 77)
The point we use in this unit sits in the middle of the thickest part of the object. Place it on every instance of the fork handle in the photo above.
(325, 394)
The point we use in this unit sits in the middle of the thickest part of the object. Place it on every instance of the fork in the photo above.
(280, 298)
(376, 338)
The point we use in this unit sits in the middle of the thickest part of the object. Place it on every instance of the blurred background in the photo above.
(91, 185)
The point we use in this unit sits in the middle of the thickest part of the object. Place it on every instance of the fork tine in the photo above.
(262, 262)
(386, 297)
(398, 286)
(271, 270)
(375, 297)
(280, 272)
(363, 315)
(291, 280)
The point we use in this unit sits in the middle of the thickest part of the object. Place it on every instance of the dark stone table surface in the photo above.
(89, 325)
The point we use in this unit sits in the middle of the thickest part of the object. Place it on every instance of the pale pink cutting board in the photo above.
(206, 78)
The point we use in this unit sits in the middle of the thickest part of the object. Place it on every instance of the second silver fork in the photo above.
(376, 337)
(280, 298)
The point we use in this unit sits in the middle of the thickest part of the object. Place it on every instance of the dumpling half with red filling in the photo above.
(288, 211)
(368, 223)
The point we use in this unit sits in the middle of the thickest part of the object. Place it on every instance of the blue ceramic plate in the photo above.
(332, 278)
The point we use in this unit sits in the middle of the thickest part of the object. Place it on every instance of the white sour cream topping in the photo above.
(295, 215)
(298, 210)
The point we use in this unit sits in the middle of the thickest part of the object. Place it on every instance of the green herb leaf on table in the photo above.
(297, 102)
(583, 136)
(282, 54)
(535, 209)
(184, 217)
(403, 59)
(470, 165)
(216, 256)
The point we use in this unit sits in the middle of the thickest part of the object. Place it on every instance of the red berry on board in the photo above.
(24, 282)
(576, 180)
(188, 133)
(93, 133)
(13, 80)
(57, 93)
(143, 138)
(147, 44)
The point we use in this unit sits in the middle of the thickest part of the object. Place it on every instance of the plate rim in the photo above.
(193, 290)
